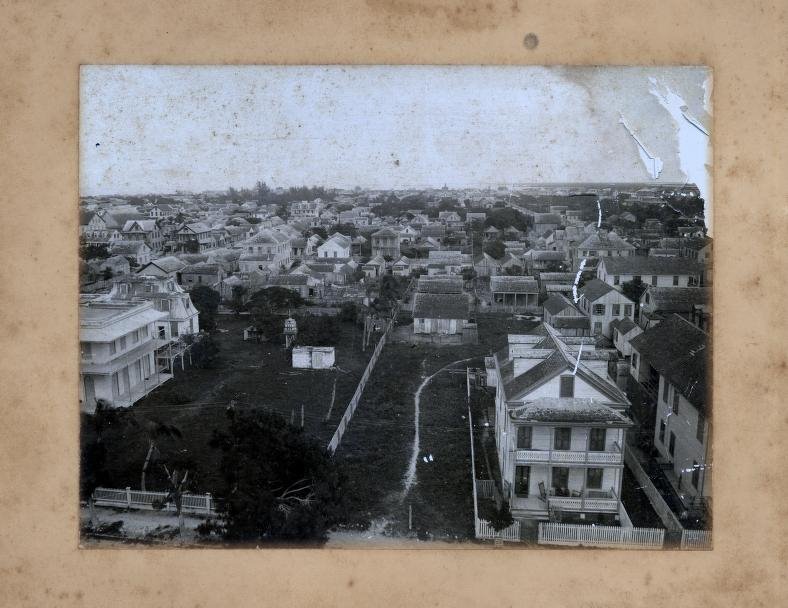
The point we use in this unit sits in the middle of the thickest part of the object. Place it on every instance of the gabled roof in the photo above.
(594, 289)
(440, 306)
(449, 284)
(676, 299)
(513, 284)
(557, 302)
(642, 265)
(562, 359)
(678, 350)
(167, 264)
(338, 239)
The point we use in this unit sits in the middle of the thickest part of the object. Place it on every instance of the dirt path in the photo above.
(410, 474)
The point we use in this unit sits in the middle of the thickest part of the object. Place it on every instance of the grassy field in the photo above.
(375, 450)
(377, 447)
(255, 375)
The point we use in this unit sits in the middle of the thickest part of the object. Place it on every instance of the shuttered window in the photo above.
(567, 386)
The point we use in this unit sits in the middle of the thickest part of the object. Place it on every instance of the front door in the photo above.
(522, 477)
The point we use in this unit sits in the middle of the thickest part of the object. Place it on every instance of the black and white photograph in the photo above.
(440, 307)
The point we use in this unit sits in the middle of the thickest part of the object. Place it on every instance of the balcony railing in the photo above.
(611, 457)
(590, 500)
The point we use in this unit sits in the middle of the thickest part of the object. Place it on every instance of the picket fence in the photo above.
(600, 536)
(484, 530)
(696, 539)
(134, 499)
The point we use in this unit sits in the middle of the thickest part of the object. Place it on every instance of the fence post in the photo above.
(128, 497)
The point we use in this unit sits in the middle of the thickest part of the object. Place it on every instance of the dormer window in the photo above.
(567, 387)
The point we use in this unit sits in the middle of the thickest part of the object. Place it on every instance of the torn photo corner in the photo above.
(409, 306)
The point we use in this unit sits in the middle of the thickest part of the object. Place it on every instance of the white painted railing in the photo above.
(134, 499)
(600, 536)
(696, 539)
(570, 456)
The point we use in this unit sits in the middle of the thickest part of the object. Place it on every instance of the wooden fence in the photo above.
(351, 407)
(661, 507)
(484, 530)
(485, 488)
(600, 536)
(134, 499)
(696, 539)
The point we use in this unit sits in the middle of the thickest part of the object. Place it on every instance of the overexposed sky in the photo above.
(157, 129)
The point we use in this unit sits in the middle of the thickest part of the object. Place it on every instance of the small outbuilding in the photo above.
(313, 357)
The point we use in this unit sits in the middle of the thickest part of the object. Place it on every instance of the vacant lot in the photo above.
(254, 375)
(378, 445)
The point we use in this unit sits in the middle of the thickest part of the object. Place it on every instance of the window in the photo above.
(135, 336)
(123, 343)
(561, 480)
(627, 310)
(662, 427)
(675, 280)
(675, 401)
(672, 444)
(701, 430)
(594, 479)
(113, 348)
(86, 349)
(665, 389)
(616, 310)
(599, 309)
(695, 474)
(521, 478)
(635, 360)
(162, 333)
(524, 435)
(616, 280)
(647, 299)
(592, 252)
(115, 384)
(563, 438)
(567, 387)
(144, 331)
(653, 279)
(596, 440)
(636, 278)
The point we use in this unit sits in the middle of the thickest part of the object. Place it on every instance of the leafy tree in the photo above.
(468, 274)
(348, 313)
(318, 330)
(206, 301)
(278, 484)
(347, 229)
(262, 191)
(253, 219)
(319, 231)
(389, 289)
(191, 246)
(238, 299)
(276, 299)
(503, 218)
(205, 352)
(107, 273)
(514, 271)
(501, 517)
(495, 249)
(633, 289)
(91, 252)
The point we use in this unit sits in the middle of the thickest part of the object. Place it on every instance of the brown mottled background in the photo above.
(42, 45)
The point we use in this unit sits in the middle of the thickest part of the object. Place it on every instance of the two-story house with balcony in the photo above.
(385, 243)
(560, 428)
(118, 343)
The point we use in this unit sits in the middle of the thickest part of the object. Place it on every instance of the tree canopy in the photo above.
(206, 301)
(279, 485)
